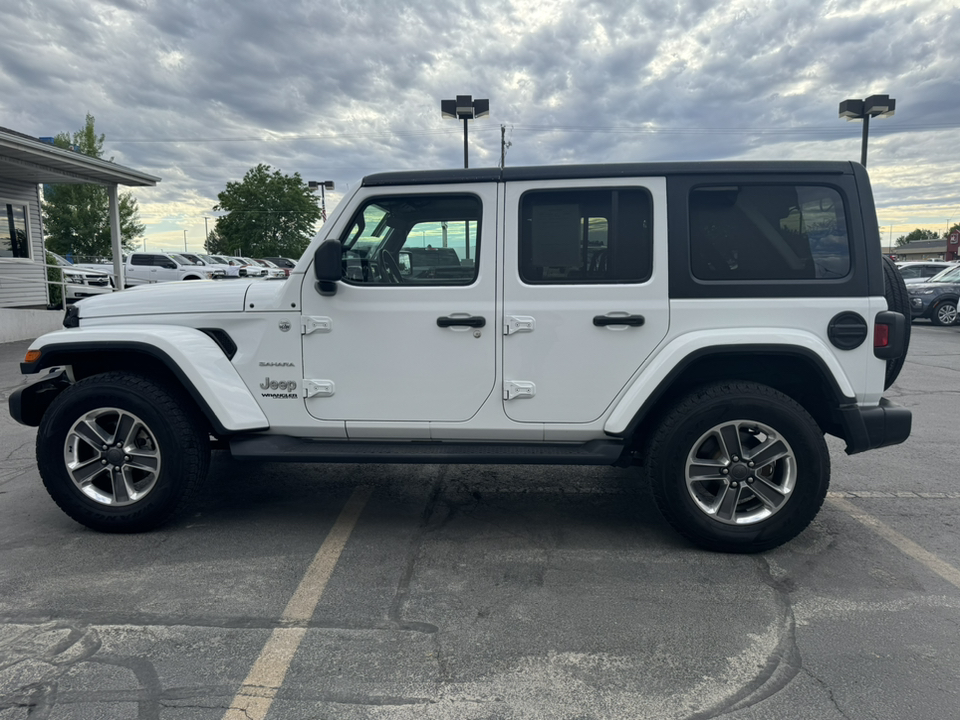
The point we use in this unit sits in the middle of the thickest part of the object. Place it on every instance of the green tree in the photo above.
(918, 234)
(76, 218)
(270, 215)
(216, 245)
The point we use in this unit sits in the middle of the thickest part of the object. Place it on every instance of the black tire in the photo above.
(163, 455)
(898, 300)
(944, 313)
(690, 470)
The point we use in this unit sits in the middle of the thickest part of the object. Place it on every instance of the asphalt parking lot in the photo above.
(302, 591)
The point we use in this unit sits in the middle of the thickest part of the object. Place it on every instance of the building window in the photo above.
(14, 236)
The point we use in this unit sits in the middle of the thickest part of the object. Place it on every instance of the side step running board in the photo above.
(291, 449)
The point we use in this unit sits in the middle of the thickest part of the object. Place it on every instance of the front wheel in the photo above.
(738, 467)
(120, 452)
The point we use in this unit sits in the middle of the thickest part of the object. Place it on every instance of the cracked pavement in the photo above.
(491, 592)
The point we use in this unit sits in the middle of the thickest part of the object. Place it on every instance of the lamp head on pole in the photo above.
(464, 107)
(873, 106)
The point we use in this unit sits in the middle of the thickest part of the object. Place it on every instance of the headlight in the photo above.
(74, 279)
(926, 292)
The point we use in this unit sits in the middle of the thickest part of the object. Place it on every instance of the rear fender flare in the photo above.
(656, 375)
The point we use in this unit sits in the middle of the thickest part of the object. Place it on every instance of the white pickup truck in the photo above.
(142, 268)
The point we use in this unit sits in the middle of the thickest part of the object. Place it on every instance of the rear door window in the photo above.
(586, 236)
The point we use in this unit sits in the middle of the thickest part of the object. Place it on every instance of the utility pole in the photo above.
(184, 240)
(504, 146)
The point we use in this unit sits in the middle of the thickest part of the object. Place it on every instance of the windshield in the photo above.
(950, 275)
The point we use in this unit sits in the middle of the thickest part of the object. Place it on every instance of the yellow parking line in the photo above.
(944, 569)
(255, 696)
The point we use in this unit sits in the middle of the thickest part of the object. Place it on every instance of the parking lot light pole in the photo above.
(465, 108)
(873, 106)
(324, 185)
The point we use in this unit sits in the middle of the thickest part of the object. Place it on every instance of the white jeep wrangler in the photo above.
(709, 322)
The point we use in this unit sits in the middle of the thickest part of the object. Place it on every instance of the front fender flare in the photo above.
(197, 362)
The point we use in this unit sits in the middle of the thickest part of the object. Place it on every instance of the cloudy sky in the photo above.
(199, 91)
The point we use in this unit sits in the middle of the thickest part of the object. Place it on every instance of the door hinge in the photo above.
(517, 324)
(315, 324)
(518, 389)
(318, 388)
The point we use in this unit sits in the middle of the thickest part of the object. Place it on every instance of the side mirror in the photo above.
(328, 266)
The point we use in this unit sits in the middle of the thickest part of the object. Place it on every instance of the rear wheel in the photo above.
(738, 467)
(120, 452)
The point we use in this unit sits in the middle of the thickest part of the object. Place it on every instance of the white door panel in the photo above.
(576, 361)
(386, 354)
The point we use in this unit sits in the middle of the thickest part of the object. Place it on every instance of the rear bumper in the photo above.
(875, 427)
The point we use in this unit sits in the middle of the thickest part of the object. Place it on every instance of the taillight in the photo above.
(881, 336)
(890, 335)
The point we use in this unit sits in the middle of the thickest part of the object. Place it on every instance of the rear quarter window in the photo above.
(768, 232)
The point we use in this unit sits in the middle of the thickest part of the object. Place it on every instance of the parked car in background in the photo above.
(247, 268)
(287, 264)
(921, 270)
(937, 298)
(431, 262)
(83, 282)
(208, 262)
(269, 264)
(230, 269)
(143, 268)
(273, 272)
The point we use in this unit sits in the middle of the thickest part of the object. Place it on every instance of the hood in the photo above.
(917, 287)
(170, 298)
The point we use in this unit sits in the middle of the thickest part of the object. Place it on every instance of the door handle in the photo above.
(475, 321)
(631, 320)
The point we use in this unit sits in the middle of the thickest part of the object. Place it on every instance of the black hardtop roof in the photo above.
(611, 170)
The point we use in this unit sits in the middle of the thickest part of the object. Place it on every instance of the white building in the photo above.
(26, 163)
